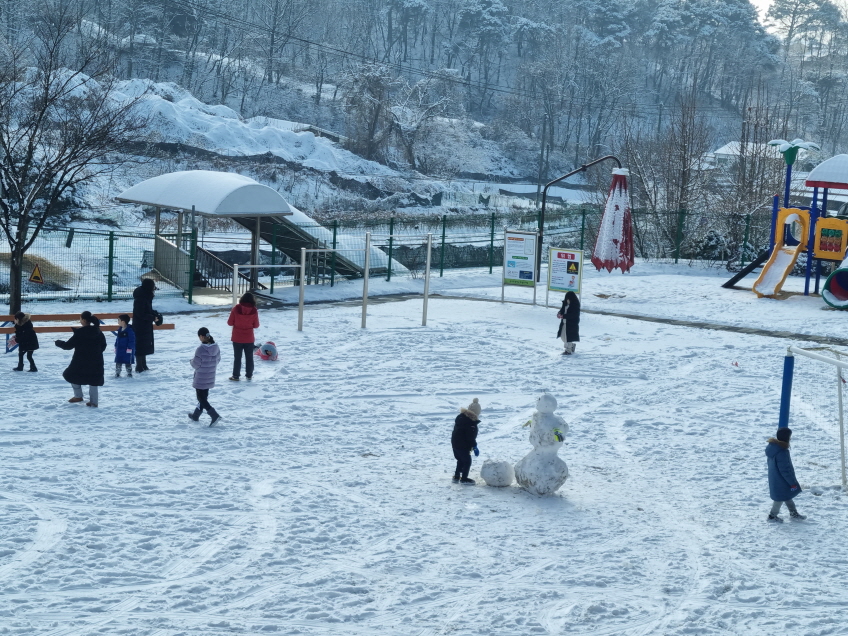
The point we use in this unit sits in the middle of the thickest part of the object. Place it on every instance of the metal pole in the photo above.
(333, 257)
(273, 252)
(235, 284)
(442, 257)
(841, 424)
(535, 282)
(786, 391)
(503, 268)
(788, 185)
(366, 271)
(492, 245)
(582, 227)
(391, 244)
(427, 277)
(179, 240)
(111, 269)
(192, 262)
(774, 209)
(302, 286)
(814, 214)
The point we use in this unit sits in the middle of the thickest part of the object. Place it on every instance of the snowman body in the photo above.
(541, 471)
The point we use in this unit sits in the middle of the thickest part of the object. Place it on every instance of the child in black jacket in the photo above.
(27, 340)
(569, 322)
(464, 441)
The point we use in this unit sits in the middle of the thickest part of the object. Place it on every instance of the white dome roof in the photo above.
(831, 173)
(210, 192)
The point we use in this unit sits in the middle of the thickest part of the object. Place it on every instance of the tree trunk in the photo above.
(16, 259)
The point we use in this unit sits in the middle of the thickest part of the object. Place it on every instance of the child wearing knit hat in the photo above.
(783, 485)
(464, 441)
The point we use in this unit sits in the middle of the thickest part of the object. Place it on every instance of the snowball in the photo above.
(497, 473)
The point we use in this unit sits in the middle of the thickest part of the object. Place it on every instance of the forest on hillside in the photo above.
(553, 83)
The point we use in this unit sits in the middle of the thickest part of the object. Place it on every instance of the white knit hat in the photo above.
(474, 407)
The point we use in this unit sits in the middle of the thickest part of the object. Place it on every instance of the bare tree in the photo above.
(60, 119)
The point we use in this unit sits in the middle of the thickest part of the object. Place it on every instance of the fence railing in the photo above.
(108, 265)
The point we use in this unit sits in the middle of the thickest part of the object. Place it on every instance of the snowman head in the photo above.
(546, 403)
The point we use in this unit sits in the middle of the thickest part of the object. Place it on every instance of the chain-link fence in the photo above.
(84, 264)
(106, 265)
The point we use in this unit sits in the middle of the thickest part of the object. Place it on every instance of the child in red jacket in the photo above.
(243, 319)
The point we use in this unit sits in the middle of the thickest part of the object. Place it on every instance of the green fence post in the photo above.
(333, 257)
(745, 240)
(273, 253)
(492, 245)
(192, 264)
(442, 257)
(111, 269)
(582, 227)
(391, 239)
(679, 238)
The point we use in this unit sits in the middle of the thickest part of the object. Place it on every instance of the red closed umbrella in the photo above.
(614, 245)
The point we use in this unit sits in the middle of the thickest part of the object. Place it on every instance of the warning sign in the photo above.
(36, 276)
(564, 272)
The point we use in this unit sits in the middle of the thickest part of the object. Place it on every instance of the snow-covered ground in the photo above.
(322, 504)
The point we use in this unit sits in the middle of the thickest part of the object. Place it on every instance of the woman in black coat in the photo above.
(144, 317)
(27, 340)
(569, 322)
(86, 367)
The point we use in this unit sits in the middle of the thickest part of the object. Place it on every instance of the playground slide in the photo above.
(780, 263)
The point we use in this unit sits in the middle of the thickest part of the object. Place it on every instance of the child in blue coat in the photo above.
(124, 346)
(783, 485)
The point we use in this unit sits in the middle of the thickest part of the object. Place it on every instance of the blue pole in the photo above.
(774, 207)
(788, 183)
(811, 235)
(786, 391)
(818, 264)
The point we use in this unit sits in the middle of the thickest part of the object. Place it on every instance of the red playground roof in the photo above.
(832, 173)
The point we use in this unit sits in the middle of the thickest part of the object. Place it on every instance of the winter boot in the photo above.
(32, 368)
(118, 370)
(797, 516)
(196, 415)
(467, 481)
(455, 478)
(215, 416)
(20, 367)
(234, 378)
(775, 519)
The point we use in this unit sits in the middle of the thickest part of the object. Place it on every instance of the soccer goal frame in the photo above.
(786, 393)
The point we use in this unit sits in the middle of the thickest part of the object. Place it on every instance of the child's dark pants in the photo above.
(463, 461)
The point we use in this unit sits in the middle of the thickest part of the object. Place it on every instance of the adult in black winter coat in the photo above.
(569, 322)
(464, 440)
(144, 317)
(86, 367)
(27, 340)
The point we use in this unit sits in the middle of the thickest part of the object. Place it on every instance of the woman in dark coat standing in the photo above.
(86, 367)
(783, 484)
(144, 317)
(569, 322)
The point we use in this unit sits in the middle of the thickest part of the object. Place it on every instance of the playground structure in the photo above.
(808, 230)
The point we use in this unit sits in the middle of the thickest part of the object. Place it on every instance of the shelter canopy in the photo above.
(832, 173)
(211, 193)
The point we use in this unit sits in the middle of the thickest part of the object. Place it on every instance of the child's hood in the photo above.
(210, 347)
(25, 320)
(245, 310)
(775, 446)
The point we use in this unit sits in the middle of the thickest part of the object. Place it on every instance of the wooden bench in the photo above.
(7, 320)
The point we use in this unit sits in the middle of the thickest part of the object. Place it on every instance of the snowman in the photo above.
(541, 471)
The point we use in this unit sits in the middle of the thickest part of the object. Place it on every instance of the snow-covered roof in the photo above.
(211, 193)
(734, 149)
(831, 173)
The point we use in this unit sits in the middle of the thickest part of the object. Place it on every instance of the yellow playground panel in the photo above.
(831, 239)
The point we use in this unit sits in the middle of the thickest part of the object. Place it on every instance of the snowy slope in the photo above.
(323, 505)
(178, 117)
